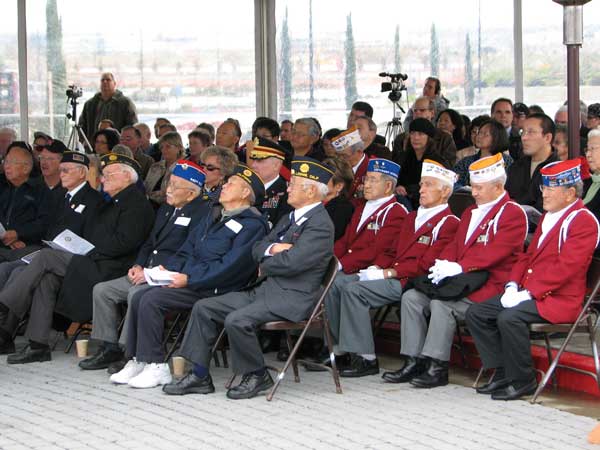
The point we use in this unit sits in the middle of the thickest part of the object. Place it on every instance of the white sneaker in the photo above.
(153, 375)
(131, 369)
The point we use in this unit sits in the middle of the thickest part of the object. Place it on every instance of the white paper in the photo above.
(67, 241)
(183, 221)
(2, 231)
(157, 277)
(234, 225)
(29, 257)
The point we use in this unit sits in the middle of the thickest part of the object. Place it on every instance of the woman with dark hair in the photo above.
(452, 123)
(337, 202)
(104, 140)
(491, 139)
(326, 142)
(472, 135)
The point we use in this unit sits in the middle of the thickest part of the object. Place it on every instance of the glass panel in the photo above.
(545, 56)
(190, 64)
(9, 67)
(374, 28)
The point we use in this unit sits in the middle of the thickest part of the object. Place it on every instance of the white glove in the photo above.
(370, 274)
(449, 269)
(512, 297)
(339, 266)
(435, 272)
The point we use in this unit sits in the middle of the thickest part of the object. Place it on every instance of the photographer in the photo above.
(109, 103)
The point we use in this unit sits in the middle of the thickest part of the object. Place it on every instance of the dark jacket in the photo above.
(340, 211)
(25, 209)
(376, 150)
(170, 232)
(523, 188)
(118, 108)
(217, 257)
(77, 214)
(119, 228)
(274, 205)
(442, 143)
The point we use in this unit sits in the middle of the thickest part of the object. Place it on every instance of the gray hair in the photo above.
(228, 160)
(356, 147)
(594, 132)
(322, 188)
(313, 127)
(430, 102)
(578, 188)
(500, 180)
(132, 172)
(582, 110)
(391, 179)
(7, 130)
(370, 122)
(121, 149)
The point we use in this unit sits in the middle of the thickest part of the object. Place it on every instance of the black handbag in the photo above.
(451, 288)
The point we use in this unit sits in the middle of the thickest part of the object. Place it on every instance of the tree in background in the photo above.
(55, 62)
(397, 50)
(469, 82)
(311, 64)
(285, 71)
(434, 53)
(350, 74)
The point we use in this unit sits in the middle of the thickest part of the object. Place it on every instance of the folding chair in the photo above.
(317, 320)
(586, 322)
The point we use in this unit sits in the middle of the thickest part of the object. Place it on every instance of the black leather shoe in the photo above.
(493, 386)
(190, 384)
(341, 362)
(28, 355)
(435, 375)
(413, 367)
(7, 347)
(116, 366)
(510, 392)
(283, 354)
(251, 386)
(360, 367)
(101, 360)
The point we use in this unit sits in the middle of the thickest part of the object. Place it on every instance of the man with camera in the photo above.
(109, 103)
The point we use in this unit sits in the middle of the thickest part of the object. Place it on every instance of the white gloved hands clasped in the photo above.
(443, 269)
(512, 296)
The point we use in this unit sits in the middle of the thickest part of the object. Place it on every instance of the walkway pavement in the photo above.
(56, 406)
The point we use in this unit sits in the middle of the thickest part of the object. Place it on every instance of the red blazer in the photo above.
(357, 250)
(494, 246)
(555, 273)
(356, 190)
(416, 251)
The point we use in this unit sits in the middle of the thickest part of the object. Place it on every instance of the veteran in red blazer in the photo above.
(489, 238)
(547, 284)
(417, 244)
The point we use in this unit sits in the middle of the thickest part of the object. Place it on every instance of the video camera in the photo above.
(395, 86)
(74, 91)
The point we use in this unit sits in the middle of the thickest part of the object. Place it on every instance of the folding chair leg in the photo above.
(461, 345)
(379, 318)
(229, 382)
(215, 347)
(79, 330)
(177, 340)
(290, 346)
(592, 335)
(334, 370)
(170, 332)
(224, 356)
(549, 355)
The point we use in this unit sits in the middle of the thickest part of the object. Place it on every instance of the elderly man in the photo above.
(24, 203)
(423, 235)
(304, 138)
(432, 89)
(216, 258)
(368, 132)
(182, 213)
(292, 261)
(442, 142)
(131, 137)
(488, 241)
(109, 103)
(145, 136)
(266, 158)
(524, 179)
(546, 284)
(75, 203)
(350, 147)
(117, 230)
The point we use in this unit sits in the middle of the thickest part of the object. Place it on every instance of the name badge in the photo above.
(482, 238)
(234, 226)
(424, 240)
(183, 221)
(373, 226)
(79, 209)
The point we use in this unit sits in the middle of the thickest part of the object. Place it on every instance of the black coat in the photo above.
(274, 205)
(77, 214)
(340, 211)
(29, 214)
(169, 233)
(524, 188)
(119, 228)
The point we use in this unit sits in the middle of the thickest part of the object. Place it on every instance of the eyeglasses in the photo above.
(67, 169)
(209, 167)
(48, 158)
(110, 175)
(298, 133)
(372, 180)
(592, 148)
(293, 185)
(530, 131)
(549, 188)
(484, 134)
(173, 187)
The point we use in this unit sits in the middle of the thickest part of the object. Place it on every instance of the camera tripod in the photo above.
(394, 127)
(77, 137)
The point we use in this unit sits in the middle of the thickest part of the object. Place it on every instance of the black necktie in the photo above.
(285, 229)
(68, 200)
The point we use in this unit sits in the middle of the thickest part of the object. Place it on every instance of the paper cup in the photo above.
(82, 347)
(178, 366)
